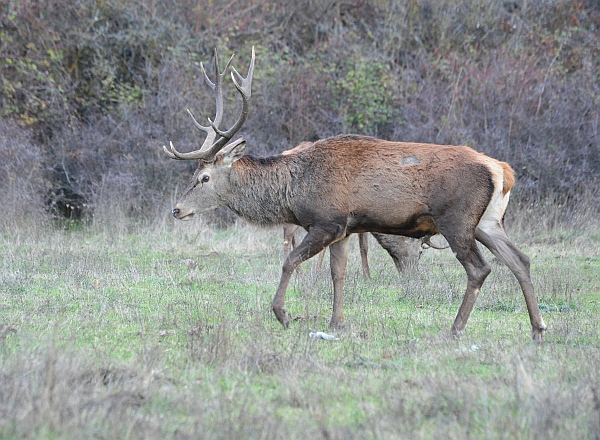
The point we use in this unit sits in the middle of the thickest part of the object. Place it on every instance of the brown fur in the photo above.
(405, 252)
(509, 178)
(300, 147)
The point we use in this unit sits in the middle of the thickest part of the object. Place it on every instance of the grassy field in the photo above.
(167, 332)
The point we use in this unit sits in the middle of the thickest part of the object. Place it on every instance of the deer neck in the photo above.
(260, 190)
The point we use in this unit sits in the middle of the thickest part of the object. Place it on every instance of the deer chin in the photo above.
(186, 217)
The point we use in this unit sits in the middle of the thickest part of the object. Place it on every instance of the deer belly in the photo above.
(415, 225)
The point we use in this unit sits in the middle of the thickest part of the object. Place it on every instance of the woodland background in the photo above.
(119, 322)
(91, 90)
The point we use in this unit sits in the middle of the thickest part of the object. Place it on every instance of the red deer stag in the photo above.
(351, 184)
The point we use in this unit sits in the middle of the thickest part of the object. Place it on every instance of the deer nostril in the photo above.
(175, 212)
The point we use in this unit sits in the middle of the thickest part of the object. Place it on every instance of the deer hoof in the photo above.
(282, 316)
(456, 333)
(537, 334)
(337, 324)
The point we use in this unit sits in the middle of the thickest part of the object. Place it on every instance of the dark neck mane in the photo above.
(261, 188)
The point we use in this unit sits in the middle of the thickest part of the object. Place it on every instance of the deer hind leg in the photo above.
(363, 244)
(465, 248)
(320, 260)
(493, 236)
(338, 253)
(289, 232)
(315, 241)
(291, 237)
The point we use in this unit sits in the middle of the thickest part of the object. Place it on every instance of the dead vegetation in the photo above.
(162, 348)
(97, 88)
(173, 341)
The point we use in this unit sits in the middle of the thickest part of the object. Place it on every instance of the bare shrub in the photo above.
(67, 394)
(23, 181)
(104, 86)
(113, 168)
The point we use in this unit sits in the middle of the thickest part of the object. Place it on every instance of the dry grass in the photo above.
(127, 325)
(166, 332)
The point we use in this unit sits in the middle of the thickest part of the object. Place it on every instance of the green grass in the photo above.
(169, 334)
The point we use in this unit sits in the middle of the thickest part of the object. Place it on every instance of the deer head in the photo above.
(214, 156)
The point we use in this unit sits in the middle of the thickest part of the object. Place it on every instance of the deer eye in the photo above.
(205, 179)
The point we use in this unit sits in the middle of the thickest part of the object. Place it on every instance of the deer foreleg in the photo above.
(338, 253)
(315, 241)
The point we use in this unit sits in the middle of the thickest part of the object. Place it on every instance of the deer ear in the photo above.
(233, 152)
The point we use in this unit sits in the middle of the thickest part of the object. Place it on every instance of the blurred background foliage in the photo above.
(91, 90)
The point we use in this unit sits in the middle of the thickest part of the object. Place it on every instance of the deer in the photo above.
(405, 252)
(351, 183)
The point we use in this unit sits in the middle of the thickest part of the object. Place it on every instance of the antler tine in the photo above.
(197, 124)
(212, 144)
(208, 144)
(174, 154)
(245, 89)
(206, 78)
(218, 87)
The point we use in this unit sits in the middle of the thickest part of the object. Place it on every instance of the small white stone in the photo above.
(321, 335)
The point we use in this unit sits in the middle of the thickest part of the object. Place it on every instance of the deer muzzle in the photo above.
(181, 214)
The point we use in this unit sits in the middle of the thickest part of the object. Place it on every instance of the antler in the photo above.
(216, 139)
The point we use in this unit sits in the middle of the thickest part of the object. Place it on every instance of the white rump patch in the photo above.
(492, 217)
